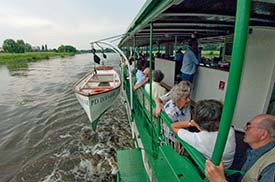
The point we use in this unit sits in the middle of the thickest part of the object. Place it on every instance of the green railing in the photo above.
(151, 132)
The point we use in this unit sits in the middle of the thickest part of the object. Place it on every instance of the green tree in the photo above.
(61, 48)
(28, 47)
(42, 48)
(9, 45)
(66, 48)
(20, 46)
(46, 47)
(69, 48)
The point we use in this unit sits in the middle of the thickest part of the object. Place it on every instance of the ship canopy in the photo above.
(178, 19)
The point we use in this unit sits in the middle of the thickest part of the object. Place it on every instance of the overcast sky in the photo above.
(68, 22)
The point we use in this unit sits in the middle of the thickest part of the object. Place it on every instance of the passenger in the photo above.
(143, 79)
(165, 98)
(132, 65)
(178, 107)
(190, 61)
(207, 117)
(157, 89)
(139, 74)
(179, 58)
(260, 161)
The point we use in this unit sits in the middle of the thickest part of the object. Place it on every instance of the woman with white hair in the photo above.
(178, 107)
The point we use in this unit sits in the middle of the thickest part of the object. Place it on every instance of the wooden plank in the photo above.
(104, 74)
(103, 87)
(100, 81)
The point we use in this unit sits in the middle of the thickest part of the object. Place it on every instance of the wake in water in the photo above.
(80, 154)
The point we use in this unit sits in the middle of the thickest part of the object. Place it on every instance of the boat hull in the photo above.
(94, 98)
(96, 105)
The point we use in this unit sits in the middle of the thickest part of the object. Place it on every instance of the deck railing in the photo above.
(158, 132)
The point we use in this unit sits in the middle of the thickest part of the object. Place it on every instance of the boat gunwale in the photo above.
(105, 68)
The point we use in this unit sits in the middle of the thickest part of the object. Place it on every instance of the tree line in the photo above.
(19, 46)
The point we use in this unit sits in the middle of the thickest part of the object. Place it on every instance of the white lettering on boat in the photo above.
(104, 98)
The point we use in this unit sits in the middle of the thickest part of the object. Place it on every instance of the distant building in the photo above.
(1, 49)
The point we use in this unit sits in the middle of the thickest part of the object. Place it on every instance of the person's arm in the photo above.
(159, 106)
(179, 125)
(191, 57)
(160, 103)
(184, 124)
(137, 86)
(214, 173)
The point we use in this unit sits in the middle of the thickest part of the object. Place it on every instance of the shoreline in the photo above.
(6, 58)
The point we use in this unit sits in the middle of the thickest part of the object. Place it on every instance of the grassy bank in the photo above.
(210, 54)
(29, 57)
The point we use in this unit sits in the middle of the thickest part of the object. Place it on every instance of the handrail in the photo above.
(118, 51)
(197, 157)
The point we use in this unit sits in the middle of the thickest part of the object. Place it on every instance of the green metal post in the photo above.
(239, 46)
(154, 135)
(135, 56)
(151, 59)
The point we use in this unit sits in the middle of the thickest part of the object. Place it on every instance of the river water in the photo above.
(44, 132)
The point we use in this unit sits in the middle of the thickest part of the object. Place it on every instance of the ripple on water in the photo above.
(85, 155)
(45, 133)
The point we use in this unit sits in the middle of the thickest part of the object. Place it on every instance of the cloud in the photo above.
(17, 19)
(65, 22)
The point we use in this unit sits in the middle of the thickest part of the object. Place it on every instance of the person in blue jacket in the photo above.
(190, 60)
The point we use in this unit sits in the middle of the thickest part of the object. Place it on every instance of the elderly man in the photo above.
(260, 162)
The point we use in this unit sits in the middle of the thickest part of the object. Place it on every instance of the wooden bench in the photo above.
(104, 74)
(100, 80)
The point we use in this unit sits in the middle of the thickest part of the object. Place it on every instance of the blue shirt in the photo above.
(268, 174)
(179, 57)
(176, 114)
(190, 62)
(140, 77)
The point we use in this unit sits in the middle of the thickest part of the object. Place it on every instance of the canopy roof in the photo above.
(181, 18)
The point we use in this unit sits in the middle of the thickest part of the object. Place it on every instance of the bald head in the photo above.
(267, 122)
(260, 130)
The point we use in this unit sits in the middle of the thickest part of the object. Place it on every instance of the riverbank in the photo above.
(6, 58)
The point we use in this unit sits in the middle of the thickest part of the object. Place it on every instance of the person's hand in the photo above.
(214, 173)
(146, 79)
(193, 123)
(159, 108)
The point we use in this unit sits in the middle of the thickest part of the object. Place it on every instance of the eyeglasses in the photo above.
(248, 125)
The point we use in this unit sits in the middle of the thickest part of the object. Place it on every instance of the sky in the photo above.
(67, 22)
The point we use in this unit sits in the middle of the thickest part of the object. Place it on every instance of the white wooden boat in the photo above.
(97, 91)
